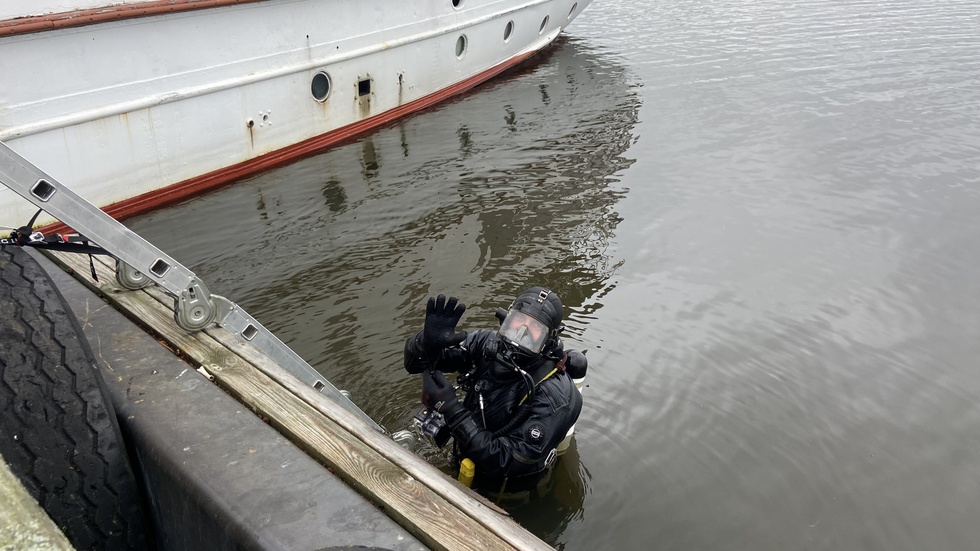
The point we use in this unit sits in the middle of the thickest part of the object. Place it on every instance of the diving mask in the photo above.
(524, 331)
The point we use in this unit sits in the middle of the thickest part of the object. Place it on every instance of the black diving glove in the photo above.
(439, 333)
(438, 394)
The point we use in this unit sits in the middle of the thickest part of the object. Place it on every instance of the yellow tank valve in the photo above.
(467, 470)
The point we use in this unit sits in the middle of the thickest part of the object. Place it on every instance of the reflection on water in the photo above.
(510, 186)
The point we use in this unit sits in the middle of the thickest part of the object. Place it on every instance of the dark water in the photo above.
(763, 220)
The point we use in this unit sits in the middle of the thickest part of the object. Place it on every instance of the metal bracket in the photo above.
(129, 277)
(193, 309)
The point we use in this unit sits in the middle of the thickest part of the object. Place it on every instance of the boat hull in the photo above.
(138, 112)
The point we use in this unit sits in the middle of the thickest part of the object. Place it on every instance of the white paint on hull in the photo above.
(122, 108)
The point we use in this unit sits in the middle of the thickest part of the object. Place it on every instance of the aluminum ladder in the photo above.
(139, 263)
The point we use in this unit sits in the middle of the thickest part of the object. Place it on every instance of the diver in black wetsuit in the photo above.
(520, 398)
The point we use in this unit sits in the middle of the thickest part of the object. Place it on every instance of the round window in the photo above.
(320, 87)
(460, 46)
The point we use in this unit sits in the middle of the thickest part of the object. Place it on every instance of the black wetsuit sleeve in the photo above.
(450, 360)
(415, 360)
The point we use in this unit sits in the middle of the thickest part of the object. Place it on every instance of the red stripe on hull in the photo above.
(199, 184)
(80, 18)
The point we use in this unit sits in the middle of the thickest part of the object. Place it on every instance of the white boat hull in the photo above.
(137, 112)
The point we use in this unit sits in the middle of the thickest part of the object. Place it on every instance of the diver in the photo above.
(520, 399)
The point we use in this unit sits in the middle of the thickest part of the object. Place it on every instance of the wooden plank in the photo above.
(412, 504)
(436, 509)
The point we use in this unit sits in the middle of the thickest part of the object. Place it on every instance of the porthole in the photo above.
(544, 24)
(508, 30)
(460, 46)
(571, 12)
(320, 86)
(457, 4)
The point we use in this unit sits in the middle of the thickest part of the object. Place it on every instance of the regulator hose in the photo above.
(523, 411)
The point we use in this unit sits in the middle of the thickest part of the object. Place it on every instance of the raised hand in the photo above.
(441, 317)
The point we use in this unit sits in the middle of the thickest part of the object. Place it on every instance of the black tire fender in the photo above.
(58, 429)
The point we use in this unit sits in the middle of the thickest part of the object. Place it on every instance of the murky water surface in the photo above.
(762, 218)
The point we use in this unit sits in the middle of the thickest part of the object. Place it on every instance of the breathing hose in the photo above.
(523, 411)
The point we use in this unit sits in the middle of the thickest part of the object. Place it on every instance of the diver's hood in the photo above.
(533, 318)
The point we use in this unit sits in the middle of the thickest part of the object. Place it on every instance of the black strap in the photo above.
(24, 237)
(91, 265)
